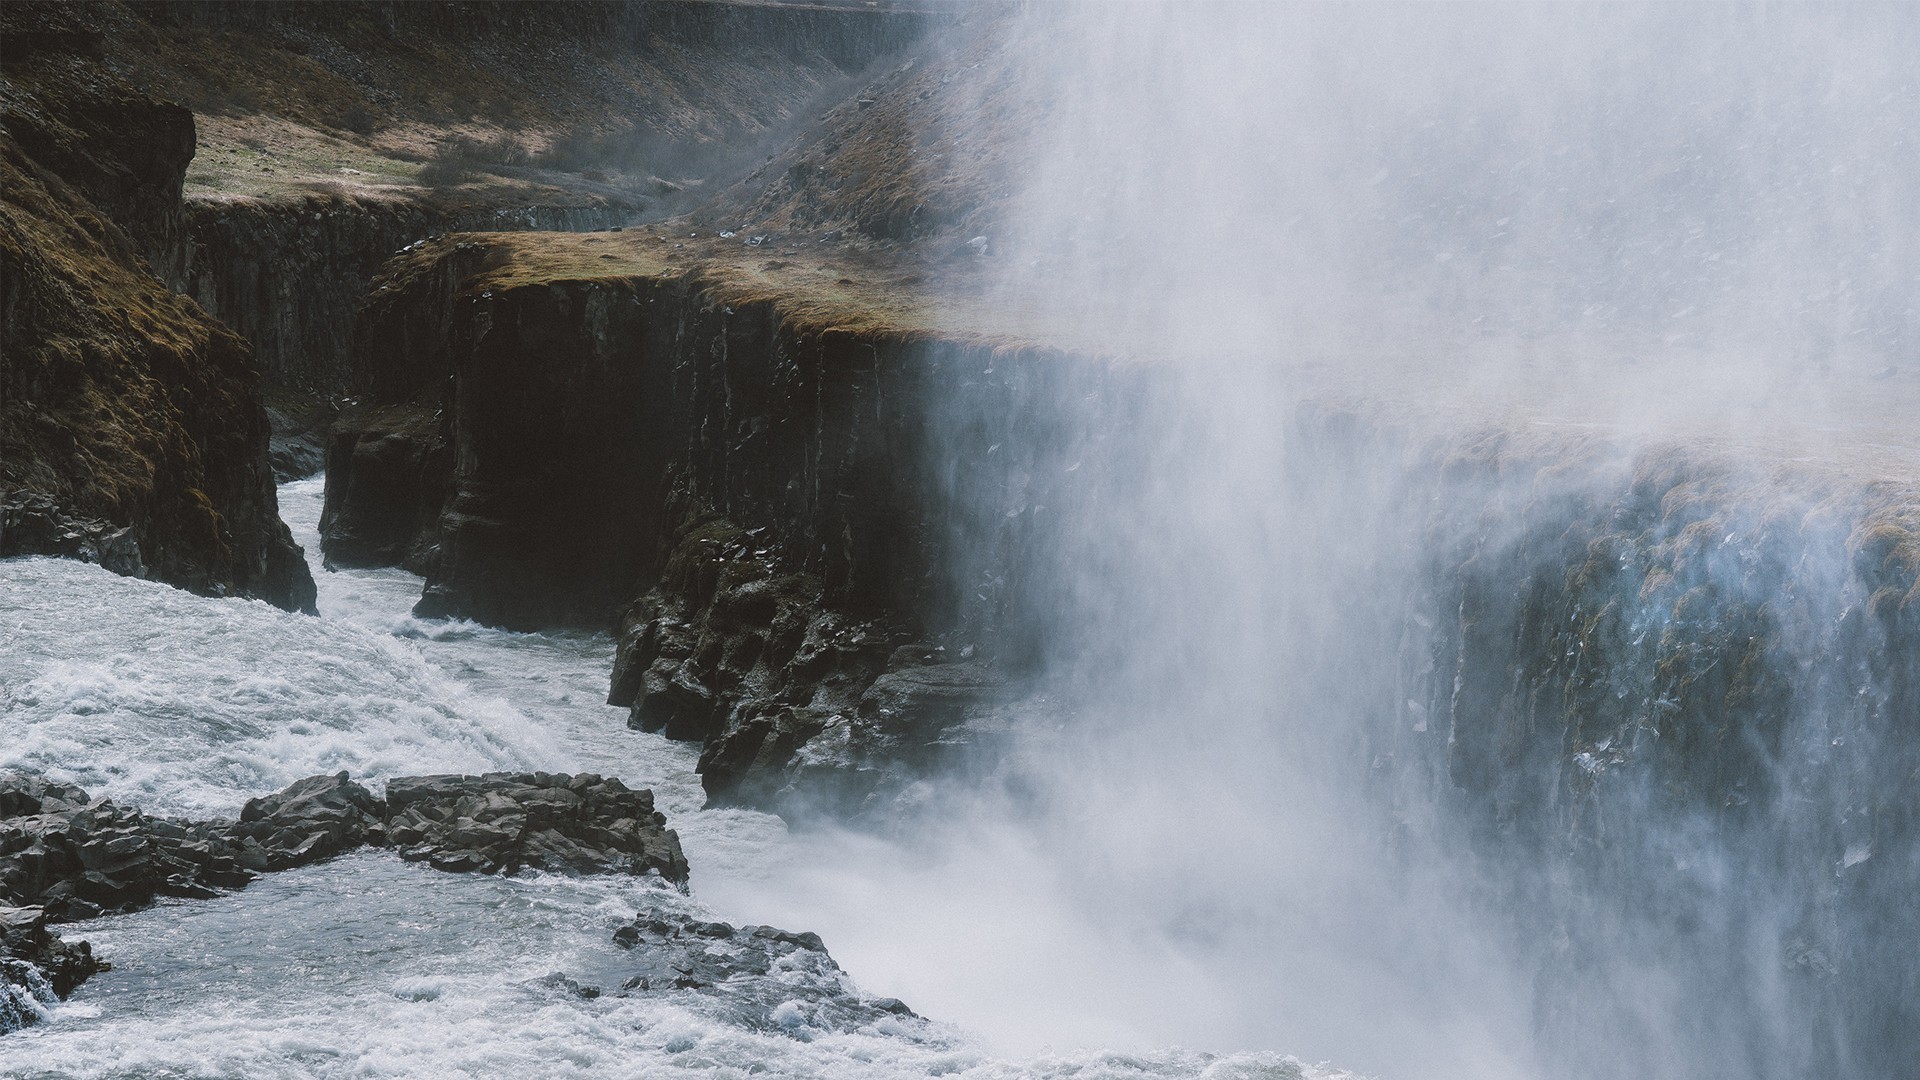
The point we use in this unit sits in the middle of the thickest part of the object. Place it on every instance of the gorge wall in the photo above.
(1665, 697)
(131, 430)
(336, 133)
(288, 276)
(757, 498)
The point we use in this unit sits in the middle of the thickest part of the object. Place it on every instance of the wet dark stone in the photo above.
(506, 822)
(36, 966)
(295, 449)
(760, 977)
(312, 819)
(35, 524)
(78, 857)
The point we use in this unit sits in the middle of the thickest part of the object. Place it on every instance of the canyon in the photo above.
(884, 540)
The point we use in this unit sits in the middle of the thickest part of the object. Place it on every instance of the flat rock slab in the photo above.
(36, 967)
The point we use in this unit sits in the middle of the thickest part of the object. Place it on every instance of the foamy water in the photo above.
(369, 967)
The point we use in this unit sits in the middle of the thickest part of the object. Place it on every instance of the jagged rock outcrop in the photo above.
(799, 705)
(764, 979)
(120, 401)
(310, 820)
(389, 473)
(65, 856)
(548, 443)
(507, 822)
(37, 968)
(34, 524)
(79, 857)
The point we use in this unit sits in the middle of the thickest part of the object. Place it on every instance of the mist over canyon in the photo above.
(1046, 540)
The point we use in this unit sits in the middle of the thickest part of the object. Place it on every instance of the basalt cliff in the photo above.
(762, 418)
(832, 543)
(131, 429)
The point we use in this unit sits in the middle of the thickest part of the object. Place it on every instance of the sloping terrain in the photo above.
(328, 135)
(493, 103)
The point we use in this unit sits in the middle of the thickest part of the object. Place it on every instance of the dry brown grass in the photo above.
(358, 98)
(121, 398)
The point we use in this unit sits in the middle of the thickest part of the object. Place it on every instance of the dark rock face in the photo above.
(298, 446)
(574, 411)
(32, 524)
(313, 819)
(762, 979)
(507, 822)
(79, 857)
(386, 481)
(289, 276)
(731, 652)
(120, 401)
(787, 503)
(37, 968)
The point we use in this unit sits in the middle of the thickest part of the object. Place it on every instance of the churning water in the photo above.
(367, 966)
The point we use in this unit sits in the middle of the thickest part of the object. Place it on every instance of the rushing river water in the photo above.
(367, 966)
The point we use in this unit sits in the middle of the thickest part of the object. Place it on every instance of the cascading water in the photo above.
(1390, 713)
(1461, 678)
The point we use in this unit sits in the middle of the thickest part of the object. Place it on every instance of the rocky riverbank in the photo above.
(578, 432)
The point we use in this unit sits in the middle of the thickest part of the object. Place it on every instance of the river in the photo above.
(366, 966)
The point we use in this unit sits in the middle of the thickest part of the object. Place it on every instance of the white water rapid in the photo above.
(370, 967)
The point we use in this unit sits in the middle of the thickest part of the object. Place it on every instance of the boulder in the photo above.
(507, 822)
(761, 978)
(36, 965)
(313, 819)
